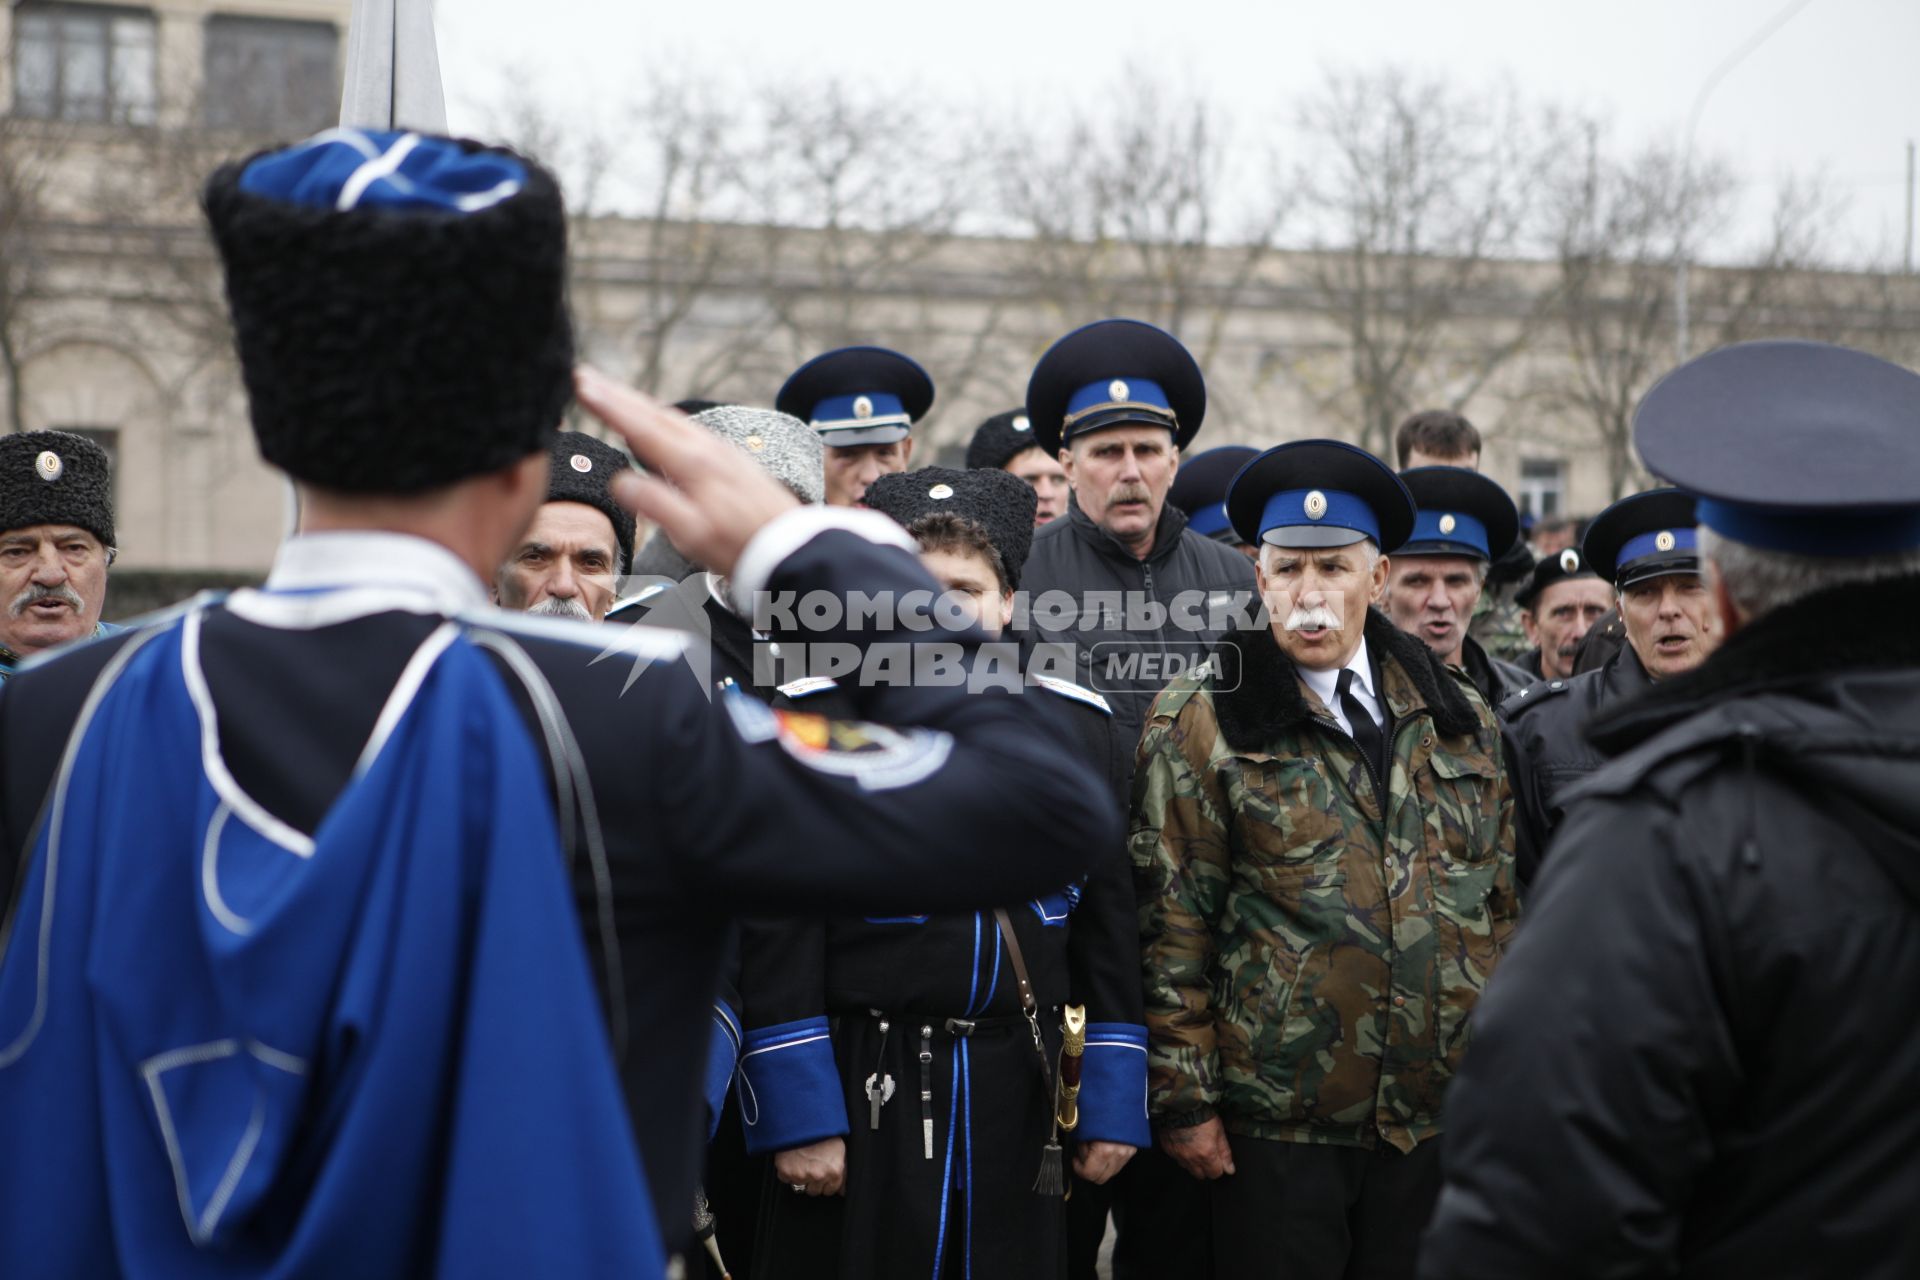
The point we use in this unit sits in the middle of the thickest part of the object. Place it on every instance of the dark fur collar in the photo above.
(1858, 627)
(1263, 694)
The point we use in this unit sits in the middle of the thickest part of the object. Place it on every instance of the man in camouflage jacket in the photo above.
(1314, 942)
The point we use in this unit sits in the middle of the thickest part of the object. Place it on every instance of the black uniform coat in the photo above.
(1547, 747)
(735, 1179)
(1161, 1211)
(1699, 1057)
(971, 1201)
(700, 818)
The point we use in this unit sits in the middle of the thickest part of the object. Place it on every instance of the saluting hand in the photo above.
(707, 494)
(1200, 1149)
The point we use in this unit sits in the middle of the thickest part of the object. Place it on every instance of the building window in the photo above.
(83, 62)
(271, 77)
(1543, 486)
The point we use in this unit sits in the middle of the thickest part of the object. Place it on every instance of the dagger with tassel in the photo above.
(1066, 1105)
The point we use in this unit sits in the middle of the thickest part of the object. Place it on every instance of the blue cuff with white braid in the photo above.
(1113, 1085)
(789, 1088)
(723, 1055)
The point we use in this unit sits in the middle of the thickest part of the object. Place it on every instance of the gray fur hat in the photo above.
(788, 448)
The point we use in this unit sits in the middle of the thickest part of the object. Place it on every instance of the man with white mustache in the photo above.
(569, 563)
(56, 541)
(1322, 848)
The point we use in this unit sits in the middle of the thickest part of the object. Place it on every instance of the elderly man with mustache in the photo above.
(1645, 545)
(56, 512)
(1322, 843)
(569, 562)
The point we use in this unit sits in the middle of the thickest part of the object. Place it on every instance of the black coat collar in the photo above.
(1166, 534)
(1857, 627)
(1261, 687)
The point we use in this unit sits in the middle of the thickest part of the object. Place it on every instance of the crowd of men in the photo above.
(1271, 855)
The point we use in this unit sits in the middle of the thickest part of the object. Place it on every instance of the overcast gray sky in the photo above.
(1836, 91)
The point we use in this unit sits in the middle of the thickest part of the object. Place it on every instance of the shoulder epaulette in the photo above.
(1078, 692)
(807, 684)
(1533, 694)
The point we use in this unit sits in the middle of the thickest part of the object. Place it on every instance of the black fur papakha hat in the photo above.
(998, 501)
(1001, 439)
(399, 306)
(582, 471)
(55, 477)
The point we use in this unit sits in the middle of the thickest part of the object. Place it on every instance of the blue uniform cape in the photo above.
(228, 1049)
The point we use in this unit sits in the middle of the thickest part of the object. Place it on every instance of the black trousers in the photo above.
(1161, 1222)
(733, 1186)
(1295, 1211)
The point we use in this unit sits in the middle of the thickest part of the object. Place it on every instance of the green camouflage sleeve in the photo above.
(1178, 841)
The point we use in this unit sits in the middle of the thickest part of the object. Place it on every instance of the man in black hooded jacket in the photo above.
(1697, 1059)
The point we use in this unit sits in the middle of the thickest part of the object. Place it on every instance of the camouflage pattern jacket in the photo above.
(1312, 956)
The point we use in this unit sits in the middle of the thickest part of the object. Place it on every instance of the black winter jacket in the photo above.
(1199, 587)
(1547, 747)
(1698, 1058)
(1495, 678)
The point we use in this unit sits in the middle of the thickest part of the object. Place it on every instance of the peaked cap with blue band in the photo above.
(1646, 535)
(858, 395)
(1319, 493)
(1460, 513)
(1799, 447)
(399, 306)
(1200, 488)
(1115, 373)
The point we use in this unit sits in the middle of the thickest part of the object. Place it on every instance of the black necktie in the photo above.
(1365, 732)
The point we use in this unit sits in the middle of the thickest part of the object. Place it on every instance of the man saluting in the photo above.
(290, 984)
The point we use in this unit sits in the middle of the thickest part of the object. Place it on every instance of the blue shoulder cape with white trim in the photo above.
(228, 1049)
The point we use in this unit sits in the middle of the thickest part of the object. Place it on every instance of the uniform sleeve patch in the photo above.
(879, 758)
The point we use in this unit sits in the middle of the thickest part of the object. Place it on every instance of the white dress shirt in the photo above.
(1325, 686)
